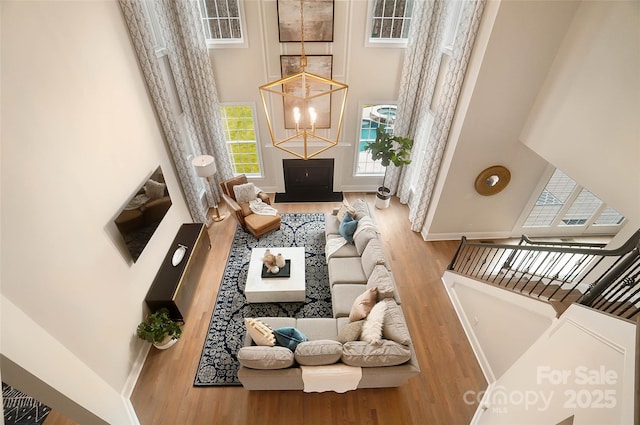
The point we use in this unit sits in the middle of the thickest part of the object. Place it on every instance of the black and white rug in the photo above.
(218, 363)
(20, 409)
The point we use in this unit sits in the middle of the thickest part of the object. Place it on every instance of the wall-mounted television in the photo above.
(142, 214)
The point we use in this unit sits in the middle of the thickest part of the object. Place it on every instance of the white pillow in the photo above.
(372, 327)
(244, 192)
(260, 332)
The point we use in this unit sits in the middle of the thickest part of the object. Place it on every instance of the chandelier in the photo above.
(306, 98)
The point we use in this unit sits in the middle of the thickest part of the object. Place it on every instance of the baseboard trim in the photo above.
(136, 370)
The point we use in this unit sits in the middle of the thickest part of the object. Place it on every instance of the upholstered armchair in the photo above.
(256, 224)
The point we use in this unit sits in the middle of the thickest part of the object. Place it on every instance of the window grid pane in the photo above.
(391, 19)
(240, 135)
(608, 217)
(582, 209)
(221, 19)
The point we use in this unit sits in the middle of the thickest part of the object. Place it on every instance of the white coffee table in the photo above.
(276, 289)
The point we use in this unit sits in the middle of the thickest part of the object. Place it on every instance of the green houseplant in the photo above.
(159, 329)
(388, 149)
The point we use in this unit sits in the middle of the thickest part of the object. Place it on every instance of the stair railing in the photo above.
(559, 272)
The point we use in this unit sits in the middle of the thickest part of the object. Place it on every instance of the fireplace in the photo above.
(308, 180)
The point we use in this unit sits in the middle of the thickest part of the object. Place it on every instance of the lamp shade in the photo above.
(205, 165)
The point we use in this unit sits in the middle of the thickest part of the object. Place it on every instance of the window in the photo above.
(563, 204)
(240, 134)
(390, 20)
(221, 21)
(373, 116)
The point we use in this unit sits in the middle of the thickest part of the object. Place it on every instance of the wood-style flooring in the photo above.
(165, 393)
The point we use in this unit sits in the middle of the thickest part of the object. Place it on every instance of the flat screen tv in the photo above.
(141, 215)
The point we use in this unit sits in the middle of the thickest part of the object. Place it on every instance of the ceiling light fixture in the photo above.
(304, 96)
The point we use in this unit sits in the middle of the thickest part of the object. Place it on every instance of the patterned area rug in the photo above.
(20, 409)
(218, 363)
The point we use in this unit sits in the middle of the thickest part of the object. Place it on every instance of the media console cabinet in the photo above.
(173, 286)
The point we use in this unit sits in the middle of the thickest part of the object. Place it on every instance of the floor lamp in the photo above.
(206, 167)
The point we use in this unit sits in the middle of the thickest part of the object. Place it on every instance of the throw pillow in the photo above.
(351, 331)
(363, 304)
(260, 332)
(395, 326)
(154, 189)
(265, 357)
(318, 353)
(344, 209)
(348, 227)
(289, 337)
(372, 328)
(244, 192)
(382, 279)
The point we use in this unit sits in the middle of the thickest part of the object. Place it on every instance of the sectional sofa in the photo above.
(360, 279)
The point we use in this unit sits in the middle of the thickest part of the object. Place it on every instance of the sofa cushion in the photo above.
(343, 296)
(260, 332)
(260, 357)
(348, 227)
(289, 337)
(362, 209)
(372, 255)
(394, 326)
(316, 328)
(363, 304)
(317, 353)
(365, 232)
(346, 270)
(350, 331)
(382, 279)
(346, 250)
(363, 354)
(372, 328)
(331, 224)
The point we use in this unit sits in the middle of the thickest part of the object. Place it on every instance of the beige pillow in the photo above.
(363, 304)
(260, 332)
(344, 209)
(394, 326)
(351, 331)
(318, 352)
(265, 357)
(244, 192)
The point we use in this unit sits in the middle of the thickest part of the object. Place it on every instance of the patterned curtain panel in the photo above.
(417, 87)
(198, 96)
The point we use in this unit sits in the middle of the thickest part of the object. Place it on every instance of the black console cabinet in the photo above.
(174, 286)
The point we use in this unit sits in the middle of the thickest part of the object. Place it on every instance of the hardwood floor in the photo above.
(165, 393)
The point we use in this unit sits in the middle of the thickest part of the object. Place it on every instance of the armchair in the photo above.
(256, 224)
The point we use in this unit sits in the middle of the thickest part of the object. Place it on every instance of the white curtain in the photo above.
(190, 66)
(419, 76)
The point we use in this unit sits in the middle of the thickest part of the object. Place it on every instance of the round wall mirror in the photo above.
(492, 180)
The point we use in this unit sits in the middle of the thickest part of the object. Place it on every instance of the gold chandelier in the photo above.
(306, 100)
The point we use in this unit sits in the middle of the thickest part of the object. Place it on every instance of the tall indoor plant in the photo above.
(389, 149)
(159, 329)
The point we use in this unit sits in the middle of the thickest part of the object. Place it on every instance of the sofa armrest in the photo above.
(264, 197)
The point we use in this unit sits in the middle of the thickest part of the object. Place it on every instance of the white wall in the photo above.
(516, 44)
(583, 365)
(373, 75)
(79, 136)
(589, 105)
(501, 325)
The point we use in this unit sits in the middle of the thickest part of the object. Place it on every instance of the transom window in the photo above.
(563, 203)
(221, 20)
(373, 116)
(240, 135)
(390, 20)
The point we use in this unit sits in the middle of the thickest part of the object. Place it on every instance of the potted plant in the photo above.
(389, 149)
(159, 329)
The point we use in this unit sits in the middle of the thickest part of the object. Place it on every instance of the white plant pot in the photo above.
(166, 343)
(383, 197)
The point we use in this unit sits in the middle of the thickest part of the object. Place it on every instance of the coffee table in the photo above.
(276, 289)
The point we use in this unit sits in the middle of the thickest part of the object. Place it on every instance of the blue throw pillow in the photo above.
(348, 227)
(289, 337)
